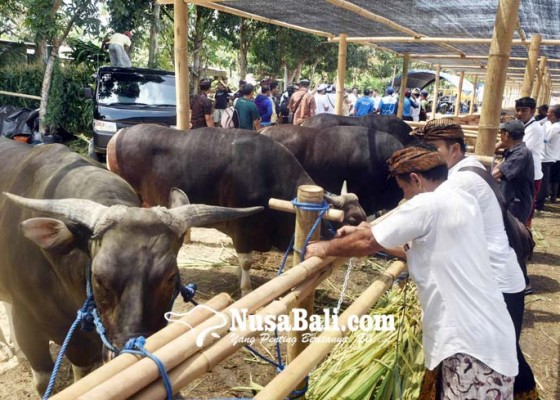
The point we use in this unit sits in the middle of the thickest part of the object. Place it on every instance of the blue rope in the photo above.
(136, 346)
(88, 318)
(61, 354)
(322, 208)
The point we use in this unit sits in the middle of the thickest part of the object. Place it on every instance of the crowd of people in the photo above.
(298, 103)
(452, 229)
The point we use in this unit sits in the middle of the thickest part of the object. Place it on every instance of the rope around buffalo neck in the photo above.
(88, 318)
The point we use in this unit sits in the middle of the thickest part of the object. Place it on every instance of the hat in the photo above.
(322, 86)
(304, 82)
(514, 127)
(443, 128)
(414, 159)
(416, 91)
(526, 102)
(390, 90)
(330, 88)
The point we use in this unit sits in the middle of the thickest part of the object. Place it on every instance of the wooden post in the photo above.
(404, 79)
(181, 17)
(506, 19)
(531, 66)
(436, 90)
(459, 94)
(540, 74)
(304, 223)
(341, 73)
(473, 97)
(544, 82)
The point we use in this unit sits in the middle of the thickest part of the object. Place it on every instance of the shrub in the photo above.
(67, 109)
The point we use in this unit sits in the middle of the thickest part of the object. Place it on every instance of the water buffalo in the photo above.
(226, 167)
(79, 214)
(353, 153)
(385, 123)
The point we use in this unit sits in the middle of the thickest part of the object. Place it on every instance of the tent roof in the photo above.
(361, 19)
(422, 77)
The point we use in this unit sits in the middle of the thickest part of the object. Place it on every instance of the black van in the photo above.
(129, 96)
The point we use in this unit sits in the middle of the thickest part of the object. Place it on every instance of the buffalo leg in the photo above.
(35, 346)
(245, 262)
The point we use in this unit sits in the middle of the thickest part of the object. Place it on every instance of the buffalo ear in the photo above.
(177, 198)
(48, 233)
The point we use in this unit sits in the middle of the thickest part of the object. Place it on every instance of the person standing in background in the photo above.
(118, 46)
(221, 101)
(201, 106)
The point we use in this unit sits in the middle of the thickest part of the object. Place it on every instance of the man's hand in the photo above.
(348, 229)
(497, 174)
(316, 249)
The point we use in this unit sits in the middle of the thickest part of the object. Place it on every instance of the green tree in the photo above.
(51, 22)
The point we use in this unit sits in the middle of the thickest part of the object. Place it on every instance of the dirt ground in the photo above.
(209, 261)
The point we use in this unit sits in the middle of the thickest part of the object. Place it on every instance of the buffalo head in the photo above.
(133, 253)
(349, 203)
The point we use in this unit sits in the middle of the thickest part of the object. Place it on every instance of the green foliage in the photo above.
(67, 109)
(87, 54)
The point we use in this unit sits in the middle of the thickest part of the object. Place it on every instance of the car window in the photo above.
(136, 88)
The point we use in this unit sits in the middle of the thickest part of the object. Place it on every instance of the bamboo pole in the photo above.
(537, 88)
(341, 74)
(283, 383)
(531, 66)
(154, 342)
(304, 223)
(180, 24)
(206, 359)
(459, 94)
(145, 371)
(473, 97)
(436, 92)
(543, 86)
(495, 80)
(233, 11)
(25, 96)
(404, 80)
(287, 206)
(432, 40)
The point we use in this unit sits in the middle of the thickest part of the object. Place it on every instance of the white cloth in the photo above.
(503, 260)
(376, 101)
(415, 112)
(534, 140)
(463, 310)
(330, 98)
(551, 142)
(120, 39)
(322, 104)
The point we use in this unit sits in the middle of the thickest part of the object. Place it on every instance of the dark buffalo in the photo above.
(352, 153)
(77, 213)
(226, 167)
(384, 123)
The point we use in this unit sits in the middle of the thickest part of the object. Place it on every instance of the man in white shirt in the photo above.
(118, 45)
(449, 139)
(321, 101)
(551, 152)
(533, 138)
(467, 331)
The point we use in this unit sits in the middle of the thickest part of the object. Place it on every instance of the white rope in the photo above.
(344, 285)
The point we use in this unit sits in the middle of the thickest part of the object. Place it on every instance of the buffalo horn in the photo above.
(340, 201)
(192, 215)
(85, 212)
